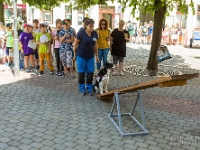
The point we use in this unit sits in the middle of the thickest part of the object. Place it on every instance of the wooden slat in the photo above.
(178, 80)
(173, 83)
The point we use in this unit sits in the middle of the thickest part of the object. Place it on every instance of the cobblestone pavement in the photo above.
(48, 113)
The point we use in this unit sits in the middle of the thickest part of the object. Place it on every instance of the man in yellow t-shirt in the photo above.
(43, 38)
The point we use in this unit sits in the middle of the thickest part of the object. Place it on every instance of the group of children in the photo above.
(35, 44)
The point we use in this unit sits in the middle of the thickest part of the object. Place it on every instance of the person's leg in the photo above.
(56, 50)
(49, 63)
(121, 65)
(7, 55)
(26, 58)
(115, 60)
(90, 73)
(36, 58)
(42, 56)
(100, 51)
(81, 66)
(32, 60)
(70, 63)
(105, 55)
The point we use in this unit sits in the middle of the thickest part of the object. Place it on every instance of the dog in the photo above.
(102, 78)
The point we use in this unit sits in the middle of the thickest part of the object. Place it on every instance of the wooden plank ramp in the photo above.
(176, 80)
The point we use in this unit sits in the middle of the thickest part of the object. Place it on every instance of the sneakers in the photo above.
(27, 70)
(41, 73)
(121, 73)
(37, 67)
(51, 72)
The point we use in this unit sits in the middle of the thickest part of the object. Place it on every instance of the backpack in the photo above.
(144, 29)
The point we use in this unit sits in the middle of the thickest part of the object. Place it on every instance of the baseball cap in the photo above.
(26, 25)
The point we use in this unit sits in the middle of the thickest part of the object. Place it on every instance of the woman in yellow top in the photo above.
(103, 42)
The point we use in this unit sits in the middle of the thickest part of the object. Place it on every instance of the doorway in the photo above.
(109, 18)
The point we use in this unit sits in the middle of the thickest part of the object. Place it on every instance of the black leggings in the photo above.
(58, 62)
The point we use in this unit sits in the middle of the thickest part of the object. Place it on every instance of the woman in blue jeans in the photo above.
(103, 39)
(86, 40)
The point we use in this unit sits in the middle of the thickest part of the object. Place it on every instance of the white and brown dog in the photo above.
(102, 78)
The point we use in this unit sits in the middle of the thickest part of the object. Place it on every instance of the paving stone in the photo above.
(3, 145)
(14, 143)
(58, 146)
(36, 145)
(47, 148)
(12, 148)
(4, 139)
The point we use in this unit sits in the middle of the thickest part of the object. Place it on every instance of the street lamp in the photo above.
(16, 50)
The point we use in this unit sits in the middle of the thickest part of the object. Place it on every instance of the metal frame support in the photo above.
(119, 115)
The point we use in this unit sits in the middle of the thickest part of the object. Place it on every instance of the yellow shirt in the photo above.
(34, 35)
(43, 47)
(102, 40)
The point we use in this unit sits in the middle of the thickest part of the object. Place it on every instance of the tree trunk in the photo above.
(2, 12)
(156, 39)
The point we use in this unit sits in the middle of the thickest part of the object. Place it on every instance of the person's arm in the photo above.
(75, 44)
(63, 39)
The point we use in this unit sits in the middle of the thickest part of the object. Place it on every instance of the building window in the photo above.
(198, 17)
(181, 17)
(80, 17)
(68, 12)
(47, 16)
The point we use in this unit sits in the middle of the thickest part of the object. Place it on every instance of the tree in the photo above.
(159, 8)
(2, 9)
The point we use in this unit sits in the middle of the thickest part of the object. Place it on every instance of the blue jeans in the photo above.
(21, 60)
(102, 54)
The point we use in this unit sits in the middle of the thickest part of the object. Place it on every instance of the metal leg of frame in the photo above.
(119, 115)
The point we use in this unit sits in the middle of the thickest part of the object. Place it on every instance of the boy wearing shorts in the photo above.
(66, 39)
(43, 38)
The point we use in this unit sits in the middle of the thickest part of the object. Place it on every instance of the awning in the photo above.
(19, 6)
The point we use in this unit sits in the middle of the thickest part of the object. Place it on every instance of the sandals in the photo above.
(66, 75)
(72, 77)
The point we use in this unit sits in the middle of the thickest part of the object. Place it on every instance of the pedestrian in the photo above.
(56, 44)
(9, 44)
(66, 39)
(150, 32)
(84, 20)
(36, 30)
(2, 42)
(86, 40)
(145, 33)
(119, 37)
(103, 42)
(43, 38)
(26, 37)
(131, 31)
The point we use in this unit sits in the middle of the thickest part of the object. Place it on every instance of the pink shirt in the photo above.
(57, 42)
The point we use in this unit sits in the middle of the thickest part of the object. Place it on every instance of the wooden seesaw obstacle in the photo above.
(177, 80)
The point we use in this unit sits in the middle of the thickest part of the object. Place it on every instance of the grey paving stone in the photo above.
(4, 139)
(3, 145)
(14, 143)
(154, 148)
(36, 145)
(26, 141)
(47, 148)
(11, 148)
(58, 146)
(47, 142)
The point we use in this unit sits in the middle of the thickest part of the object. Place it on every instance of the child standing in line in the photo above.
(28, 52)
(36, 30)
(9, 44)
(43, 38)
(56, 44)
(66, 40)
(2, 42)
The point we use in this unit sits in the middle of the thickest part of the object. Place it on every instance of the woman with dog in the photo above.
(103, 42)
(86, 40)
(118, 40)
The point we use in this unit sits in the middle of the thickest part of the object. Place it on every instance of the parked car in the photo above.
(195, 40)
